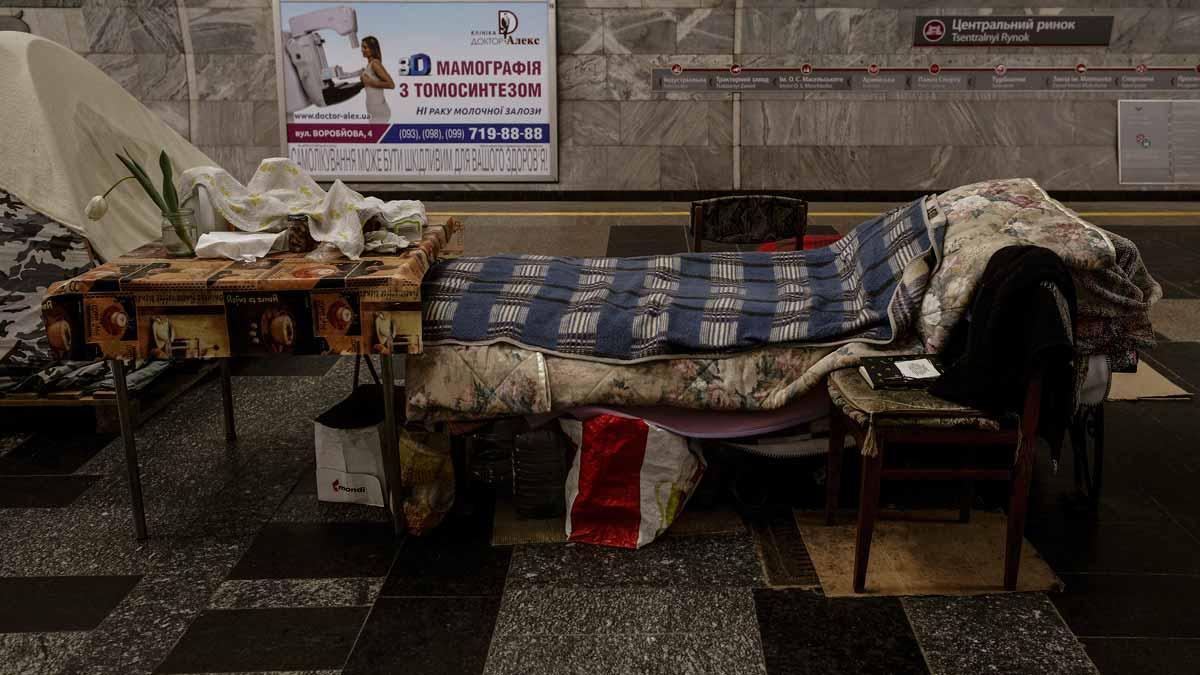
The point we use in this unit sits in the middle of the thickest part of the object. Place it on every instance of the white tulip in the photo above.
(96, 208)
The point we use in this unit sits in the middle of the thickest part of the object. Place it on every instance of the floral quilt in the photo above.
(1115, 293)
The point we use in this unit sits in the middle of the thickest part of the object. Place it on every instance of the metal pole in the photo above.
(227, 400)
(391, 445)
(125, 415)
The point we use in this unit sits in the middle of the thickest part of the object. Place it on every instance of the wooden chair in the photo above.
(750, 219)
(878, 420)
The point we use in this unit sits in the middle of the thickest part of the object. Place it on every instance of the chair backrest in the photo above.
(751, 219)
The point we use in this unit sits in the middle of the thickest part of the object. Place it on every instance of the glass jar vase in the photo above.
(179, 233)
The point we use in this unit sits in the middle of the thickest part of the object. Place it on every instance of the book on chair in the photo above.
(907, 371)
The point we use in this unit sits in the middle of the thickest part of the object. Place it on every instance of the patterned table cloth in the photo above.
(146, 306)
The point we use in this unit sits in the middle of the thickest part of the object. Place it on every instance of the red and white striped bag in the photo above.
(628, 482)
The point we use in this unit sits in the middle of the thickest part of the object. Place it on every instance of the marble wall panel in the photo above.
(720, 123)
(1000, 123)
(41, 3)
(227, 3)
(589, 123)
(754, 30)
(149, 77)
(1072, 167)
(663, 123)
(145, 27)
(877, 30)
(580, 31)
(697, 168)
(120, 67)
(967, 6)
(235, 30)
(608, 4)
(631, 169)
(582, 168)
(811, 31)
(223, 123)
(1142, 29)
(266, 123)
(639, 31)
(629, 75)
(225, 77)
(1095, 123)
(162, 77)
(583, 78)
(1183, 37)
(704, 31)
(175, 113)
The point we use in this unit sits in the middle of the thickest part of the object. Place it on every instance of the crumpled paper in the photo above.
(382, 241)
(241, 246)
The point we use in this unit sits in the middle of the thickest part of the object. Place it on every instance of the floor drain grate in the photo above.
(781, 549)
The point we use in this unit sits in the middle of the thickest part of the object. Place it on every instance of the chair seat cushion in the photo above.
(905, 407)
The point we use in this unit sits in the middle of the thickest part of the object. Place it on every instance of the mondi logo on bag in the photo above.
(338, 487)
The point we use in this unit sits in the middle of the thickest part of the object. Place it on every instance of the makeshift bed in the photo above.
(531, 335)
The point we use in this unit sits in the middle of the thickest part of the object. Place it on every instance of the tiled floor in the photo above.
(246, 572)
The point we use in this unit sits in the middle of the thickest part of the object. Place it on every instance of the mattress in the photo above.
(471, 382)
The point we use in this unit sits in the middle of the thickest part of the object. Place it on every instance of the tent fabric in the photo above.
(64, 120)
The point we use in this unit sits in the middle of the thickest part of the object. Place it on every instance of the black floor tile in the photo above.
(1000, 634)
(805, 632)
(701, 562)
(637, 240)
(430, 636)
(1179, 358)
(1130, 605)
(318, 550)
(1118, 656)
(308, 366)
(448, 563)
(1075, 546)
(53, 454)
(47, 604)
(232, 640)
(42, 492)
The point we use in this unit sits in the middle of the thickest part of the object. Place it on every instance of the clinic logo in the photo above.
(934, 30)
(505, 32)
(506, 23)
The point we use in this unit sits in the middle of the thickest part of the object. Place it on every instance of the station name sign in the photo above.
(1012, 31)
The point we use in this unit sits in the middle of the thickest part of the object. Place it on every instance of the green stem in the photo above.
(181, 231)
(114, 185)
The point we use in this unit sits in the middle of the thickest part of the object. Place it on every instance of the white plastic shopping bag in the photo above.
(628, 482)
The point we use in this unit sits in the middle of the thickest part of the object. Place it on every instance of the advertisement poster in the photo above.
(447, 91)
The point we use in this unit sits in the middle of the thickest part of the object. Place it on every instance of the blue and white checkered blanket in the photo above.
(866, 287)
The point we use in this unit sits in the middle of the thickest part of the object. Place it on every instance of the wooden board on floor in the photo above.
(1145, 385)
(923, 557)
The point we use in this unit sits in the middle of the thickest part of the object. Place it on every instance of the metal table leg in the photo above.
(125, 415)
(227, 400)
(391, 445)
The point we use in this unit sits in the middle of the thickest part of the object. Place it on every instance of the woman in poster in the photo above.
(375, 79)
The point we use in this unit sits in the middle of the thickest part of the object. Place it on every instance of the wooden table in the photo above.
(147, 306)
